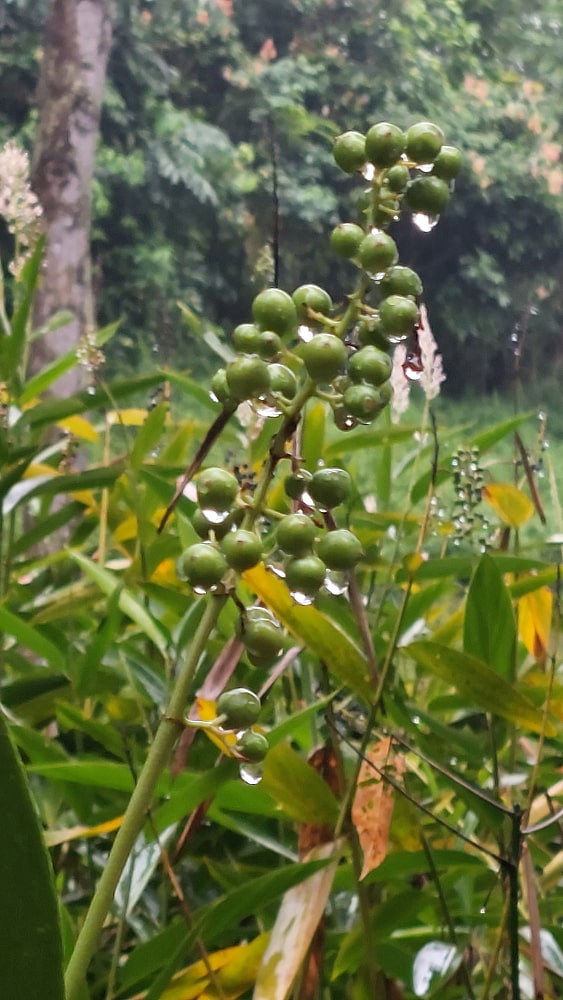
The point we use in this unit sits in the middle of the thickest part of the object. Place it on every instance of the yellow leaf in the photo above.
(373, 803)
(128, 529)
(512, 506)
(79, 427)
(39, 469)
(534, 621)
(133, 417)
(235, 971)
(325, 639)
(55, 837)
(298, 918)
(165, 573)
(207, 712)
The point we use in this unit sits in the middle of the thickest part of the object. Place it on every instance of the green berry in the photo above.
(220, 528)
(384, 144)
(282, 380)
(362, 402)
(305, 575)
(269, 345)
(202, 565)
(216, 489)
(398, 315)
(369, 330)
(273, 309)
(385, 393)
(349, 151)
(252, 746)
(246, 338)
(248, 377)
(311, 297)
(428, 195)
(397, 178)
(220, 386)
(296, 483)
(241, 706)
(261, 634)
(377, 252)
(242, 549)
(400, 280)
(424, 141)
(324, 355)
(448, 163)
(330, 487)
(339, 549)
(295, 534)
(345, 239)
(370, 365)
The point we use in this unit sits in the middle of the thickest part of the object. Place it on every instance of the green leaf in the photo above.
(31, 638)
(477, 682)
(149, 434)
(321, 636)
(31, 948)
(45, 378)
(366, 440)
(490, 626)
(46, 485)
(492, 435)
(129, 605)
(94, 773)
(13, 346)
(297, 787)
(51, 410)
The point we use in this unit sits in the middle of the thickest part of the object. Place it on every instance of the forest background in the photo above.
(204, 101)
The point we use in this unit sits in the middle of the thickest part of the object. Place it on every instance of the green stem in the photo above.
(141, 799)
(516, 846)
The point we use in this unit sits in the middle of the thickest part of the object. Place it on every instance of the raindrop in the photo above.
(424, 168)
(514, 337)
(542, 416)
(306, 499)
(426, 223)
(336, 583)
(412, 371)
(396, 338)
(368, 172)
(455, 462)
(213, 397)
(251, 774)
(277, 571)
(483, 910)
(91, 390)
(265, 407)
(305, 333)
(377, 275)
(304, 600)
(215, 516)
(416, 720)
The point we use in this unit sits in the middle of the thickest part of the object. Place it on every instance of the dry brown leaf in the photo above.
(373, 802)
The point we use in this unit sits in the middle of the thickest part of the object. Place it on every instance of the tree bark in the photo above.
(71, 87)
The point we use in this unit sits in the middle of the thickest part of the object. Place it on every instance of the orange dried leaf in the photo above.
(373, 803)
(534, 621)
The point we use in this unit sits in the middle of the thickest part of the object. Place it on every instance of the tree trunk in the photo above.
(71, 86)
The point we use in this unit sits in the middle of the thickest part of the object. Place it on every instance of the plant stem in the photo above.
(141, 799)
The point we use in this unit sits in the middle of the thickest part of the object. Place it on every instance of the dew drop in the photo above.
(277, 570)
(412, 371)
(306, 499)
(396, 338)
(265, 407)
(215, 516)
(91, 390)
(368, 172)
(416, 720)
(213, 397)
(377, 275)
(251, 774)
(305, 333)
(304, 600)
(336, 583)
(424, 168)
(483, 910)
(426, 223)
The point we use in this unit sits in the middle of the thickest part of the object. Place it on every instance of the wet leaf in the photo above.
(476, 681)
(490, 626)
(372, 808)
(297, 787)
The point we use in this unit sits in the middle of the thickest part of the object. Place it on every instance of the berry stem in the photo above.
(139, 804)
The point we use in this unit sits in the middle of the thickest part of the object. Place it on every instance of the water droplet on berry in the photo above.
(304, 600)
(213, 397)
(215, 516)
(426, 223)
(424, 168)
(251, 774)
(264, 407)
(376, 276)
(368, 172)
(336, 583)
(305, 333)
(306, 499)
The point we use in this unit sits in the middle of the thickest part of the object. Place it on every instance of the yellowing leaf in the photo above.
(534, 621)
(512, 506)
(297, 920)
(39, 469)
(326, 640)
(133, 417)
(79, 427)
(373, 803)
(165, 573)
(207, 712)
(128, 529)
(235, 971)
(54, 837)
